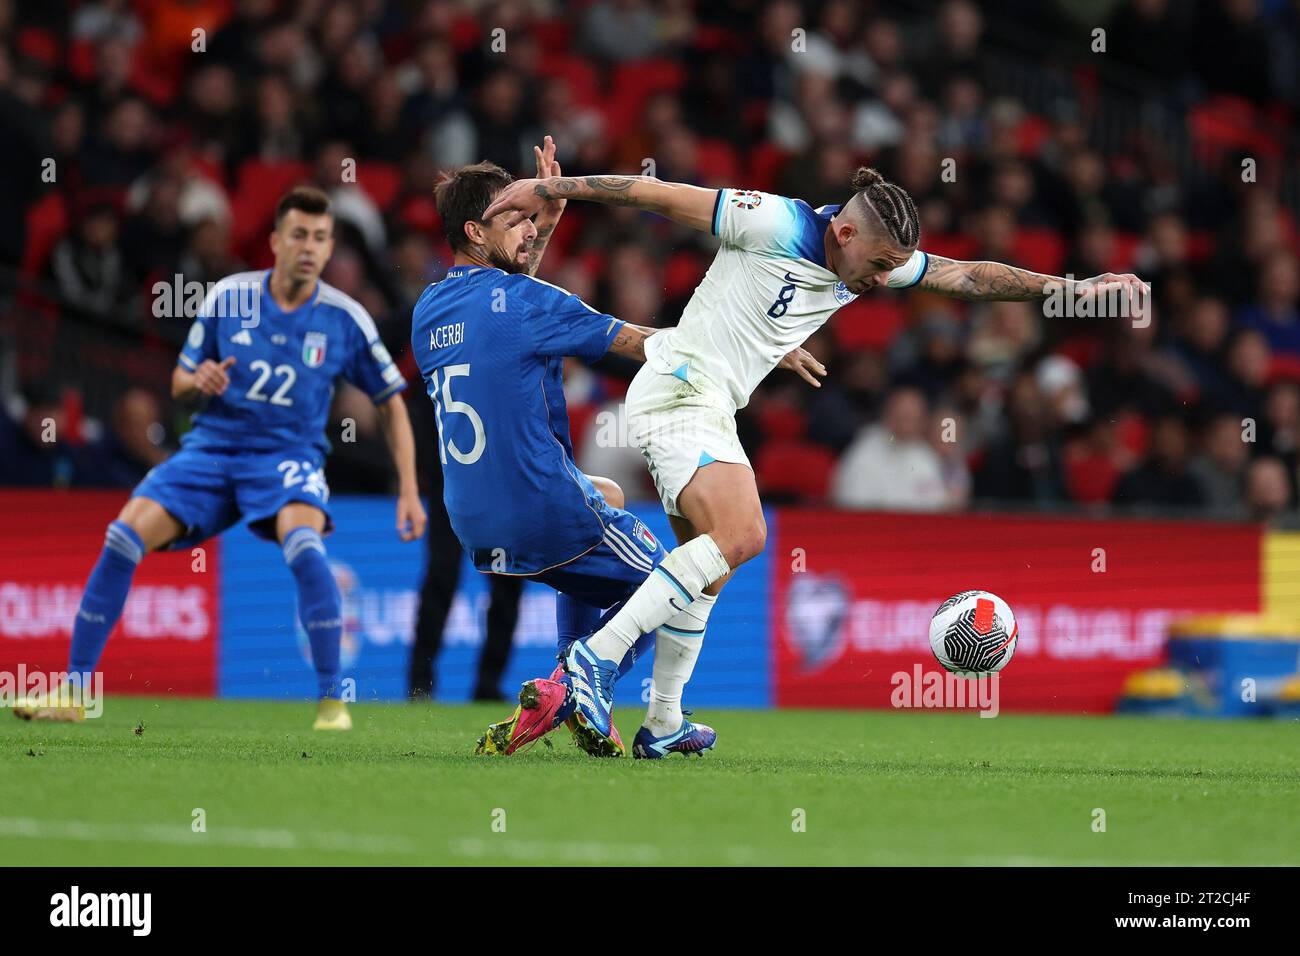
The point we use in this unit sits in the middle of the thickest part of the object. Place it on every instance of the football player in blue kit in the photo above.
(490, 341)
(262, 358)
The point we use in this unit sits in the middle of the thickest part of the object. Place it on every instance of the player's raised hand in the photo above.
(211, 378)
(803, 362)
(546, 168)
(411, 518)
(518, 201)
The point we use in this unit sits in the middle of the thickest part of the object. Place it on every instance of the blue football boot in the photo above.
(689, 738)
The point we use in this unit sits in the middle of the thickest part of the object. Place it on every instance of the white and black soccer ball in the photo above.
(973, 633)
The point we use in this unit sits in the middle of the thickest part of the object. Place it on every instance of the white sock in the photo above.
(674, 585)
(677, 646)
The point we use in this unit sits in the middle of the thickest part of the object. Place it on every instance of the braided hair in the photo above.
(891, 204)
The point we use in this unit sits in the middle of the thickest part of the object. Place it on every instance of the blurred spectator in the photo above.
(1165, 478)
(621, 30)
(1267, 489)
(27, 144)
(1025, 462)
(36, 450)
(1248, 366)
(131, 446)
(88, 266)
(946, 428)
(890, 465)
(1274, 311)
(1220, 466)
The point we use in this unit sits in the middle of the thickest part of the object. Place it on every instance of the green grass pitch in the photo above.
(873, 788)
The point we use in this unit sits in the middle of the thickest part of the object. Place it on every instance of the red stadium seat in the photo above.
(382, 182)
(643, 78)
(554, 36)
(465, 33)
(782, 422)
(420, 213)
(584, 82)
(795, 469)
(949, 245)
(634, 83)
(259, 186)
(716, 162)
(1134, 433)
(47, 223)
(1032, 132)
(1081, 350)
(1201, 246)
(1124, 251)
(1091, 477)
(1039, 250)
(765, 164)
(682, 273)
(1225, 124)
(1283, 367)
(580, 416)
(870, 322)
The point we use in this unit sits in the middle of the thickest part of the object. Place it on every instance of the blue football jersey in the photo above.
(282, 381)
(491, 348)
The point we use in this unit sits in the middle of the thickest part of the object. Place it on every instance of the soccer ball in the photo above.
(973, 633)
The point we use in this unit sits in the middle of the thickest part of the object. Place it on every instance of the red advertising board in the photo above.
(165, 642)
(853, 594)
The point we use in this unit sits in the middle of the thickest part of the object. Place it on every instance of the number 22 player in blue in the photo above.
(264, 354)
(490, 341)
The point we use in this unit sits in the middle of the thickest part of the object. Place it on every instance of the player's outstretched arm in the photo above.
(630, 341)
(690, 205)
(401, 442)
(1000, 282)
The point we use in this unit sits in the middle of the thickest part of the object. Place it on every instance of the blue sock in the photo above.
(575, 619)
(104, 597)
(644, 645)
(320, 608)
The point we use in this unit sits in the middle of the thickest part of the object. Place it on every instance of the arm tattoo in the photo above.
(630, 341)
(607, 189)
(539, 246)
(982, 280)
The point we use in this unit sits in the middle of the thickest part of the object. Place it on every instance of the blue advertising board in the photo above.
(263, 652)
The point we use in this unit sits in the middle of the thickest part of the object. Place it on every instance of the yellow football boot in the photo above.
(332, 714)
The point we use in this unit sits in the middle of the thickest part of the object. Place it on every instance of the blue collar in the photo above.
(457, 272)
(275, 306)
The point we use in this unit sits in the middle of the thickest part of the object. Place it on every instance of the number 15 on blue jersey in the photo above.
(442, 400)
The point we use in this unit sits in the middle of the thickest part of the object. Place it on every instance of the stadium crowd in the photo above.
(173, 127)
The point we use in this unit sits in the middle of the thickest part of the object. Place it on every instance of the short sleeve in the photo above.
(910, 272)
(201, 340)
(757, 221)
(370, 367)
(557, 322)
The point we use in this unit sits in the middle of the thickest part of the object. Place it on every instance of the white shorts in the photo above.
(679, 426)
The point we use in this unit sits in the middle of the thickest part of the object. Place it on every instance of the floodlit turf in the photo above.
(875, 788)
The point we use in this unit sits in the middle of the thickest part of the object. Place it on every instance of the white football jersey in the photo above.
(767, 290)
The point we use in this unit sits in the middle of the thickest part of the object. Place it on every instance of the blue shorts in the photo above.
(609, 573)
(207, 491)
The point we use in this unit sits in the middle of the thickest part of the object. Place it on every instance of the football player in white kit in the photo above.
(781, 270)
